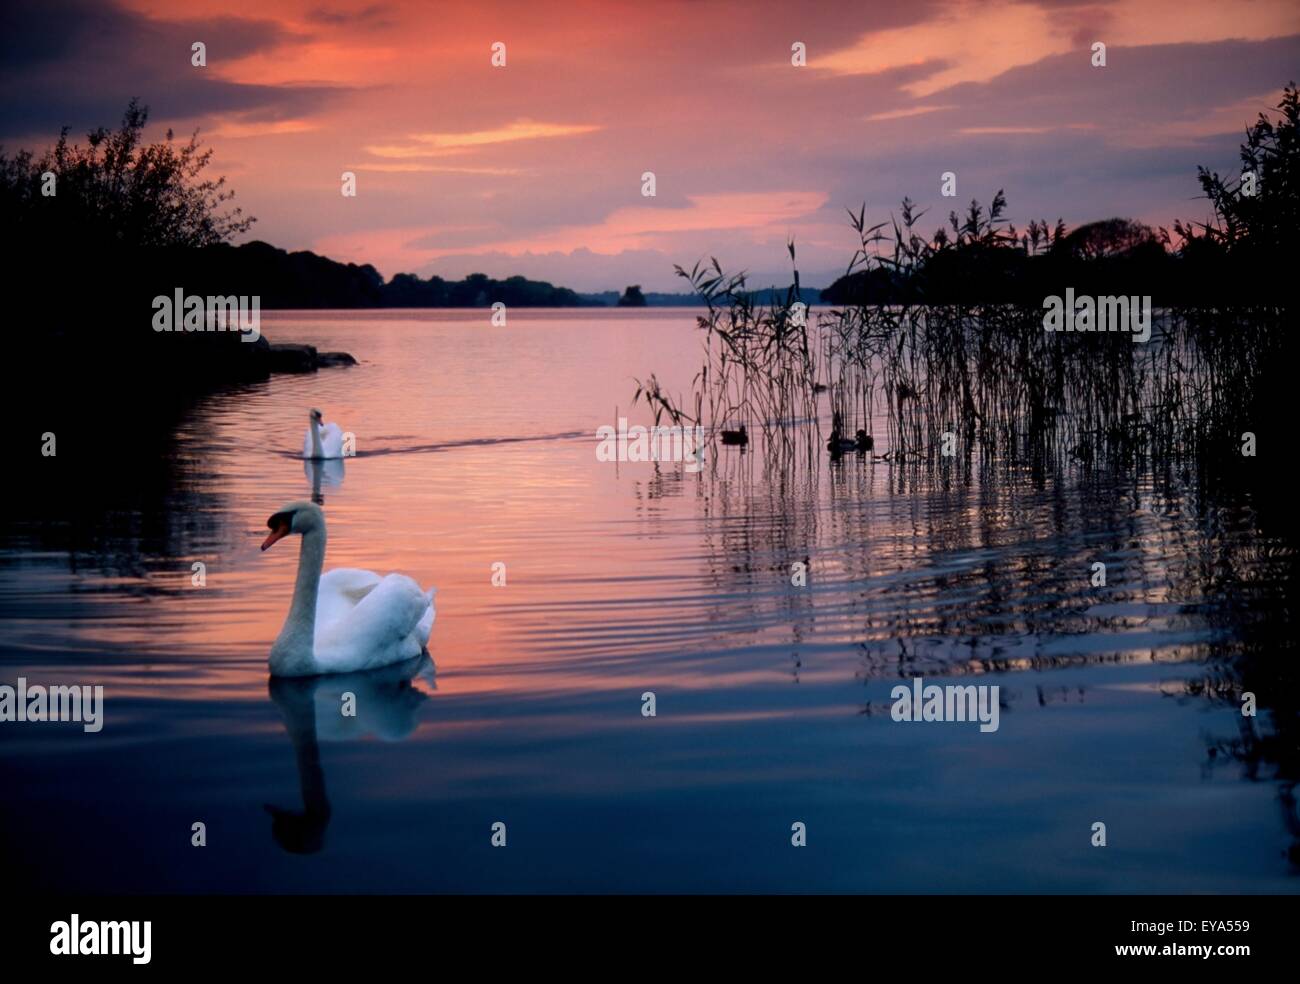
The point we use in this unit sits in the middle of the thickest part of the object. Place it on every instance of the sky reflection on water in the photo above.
(1120, 703)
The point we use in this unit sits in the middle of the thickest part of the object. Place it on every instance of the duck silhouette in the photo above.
(839, 444)
(736, 437)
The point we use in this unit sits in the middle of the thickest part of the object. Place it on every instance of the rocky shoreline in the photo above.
(293, 358)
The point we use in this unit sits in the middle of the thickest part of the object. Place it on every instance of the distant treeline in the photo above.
(306, 280)
(768, 295)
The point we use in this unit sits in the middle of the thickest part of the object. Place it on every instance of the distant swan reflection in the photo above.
(387, 707)
(328, 471)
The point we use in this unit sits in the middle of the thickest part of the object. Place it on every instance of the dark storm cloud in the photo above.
(375, 15)
(1125, 139)
(78, 62)
(1153, 85)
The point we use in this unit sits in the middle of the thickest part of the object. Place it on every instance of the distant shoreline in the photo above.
(306, 280)
(684, 306)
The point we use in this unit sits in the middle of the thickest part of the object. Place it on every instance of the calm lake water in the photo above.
(476, 446)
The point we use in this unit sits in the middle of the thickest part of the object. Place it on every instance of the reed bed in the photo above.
(975, 382)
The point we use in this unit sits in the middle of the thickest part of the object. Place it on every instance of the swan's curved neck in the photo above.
(315, 444)
(294, 650)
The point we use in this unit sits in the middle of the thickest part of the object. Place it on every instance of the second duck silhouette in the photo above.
(840, 445)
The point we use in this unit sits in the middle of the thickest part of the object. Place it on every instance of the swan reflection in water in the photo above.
(324, 472)
(387, 706)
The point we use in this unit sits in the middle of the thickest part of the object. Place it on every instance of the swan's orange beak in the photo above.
(279, 533)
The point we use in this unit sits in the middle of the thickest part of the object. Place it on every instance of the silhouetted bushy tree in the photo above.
(1109, 239)
(1267, 220)
(118, 191)
(632, 297)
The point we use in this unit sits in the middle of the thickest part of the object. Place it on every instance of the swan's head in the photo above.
(296, 517)
(315, 416)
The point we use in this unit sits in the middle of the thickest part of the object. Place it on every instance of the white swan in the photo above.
(322, 440)
(349, 619)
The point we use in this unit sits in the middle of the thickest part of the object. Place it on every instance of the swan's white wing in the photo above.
(331, 441)
(351, 581)
(380, 629)
(425, 626)
(340, 591)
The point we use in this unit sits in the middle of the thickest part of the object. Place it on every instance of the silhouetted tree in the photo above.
(1108, 239)
(632, 297)
(1258, 210)
(118, 191)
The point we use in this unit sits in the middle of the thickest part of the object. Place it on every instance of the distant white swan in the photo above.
(322, 440)
(347, 620)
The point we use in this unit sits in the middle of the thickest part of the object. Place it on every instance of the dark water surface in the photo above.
(1120, 704)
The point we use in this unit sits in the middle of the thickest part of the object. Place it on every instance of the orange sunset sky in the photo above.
(535, 168)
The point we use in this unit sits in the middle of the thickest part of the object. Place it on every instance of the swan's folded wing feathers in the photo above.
(379, 627)
(351, 581)
(425, 625)
(340, 591)
(331, 440)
